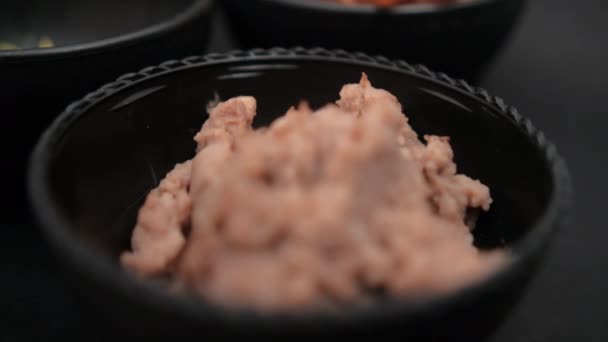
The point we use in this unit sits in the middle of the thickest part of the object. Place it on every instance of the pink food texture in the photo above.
(319, 209)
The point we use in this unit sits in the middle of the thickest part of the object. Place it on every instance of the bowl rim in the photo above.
(105, 271)
(181, 18)
(320, 5)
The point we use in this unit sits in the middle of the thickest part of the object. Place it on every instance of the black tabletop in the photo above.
(554, 70)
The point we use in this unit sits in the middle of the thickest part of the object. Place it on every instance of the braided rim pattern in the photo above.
(66, 242)
(76, 109)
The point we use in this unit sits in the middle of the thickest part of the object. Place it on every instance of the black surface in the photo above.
(86, 199)
(554, 71)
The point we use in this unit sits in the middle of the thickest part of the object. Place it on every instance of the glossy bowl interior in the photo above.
(95, 42)
(461, 39)
(93, 167)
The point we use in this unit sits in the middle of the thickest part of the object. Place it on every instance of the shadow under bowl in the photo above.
(93, 167)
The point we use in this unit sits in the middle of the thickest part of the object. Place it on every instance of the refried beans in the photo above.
(320, 209)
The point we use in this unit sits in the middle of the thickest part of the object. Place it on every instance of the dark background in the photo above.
(554, 70)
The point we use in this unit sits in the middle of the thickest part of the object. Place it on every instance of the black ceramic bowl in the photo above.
(95, 42)
(458, 38)
(92, 168)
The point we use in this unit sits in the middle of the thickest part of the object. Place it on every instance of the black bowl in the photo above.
(459, 38)
(93, 167)
(95, 42)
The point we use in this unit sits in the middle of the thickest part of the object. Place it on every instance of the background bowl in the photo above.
(96, 41)
(92, 169)
(460, 39)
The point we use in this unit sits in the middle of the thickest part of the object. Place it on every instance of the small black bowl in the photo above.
(95, 42)
(93, 167)
(460, 39)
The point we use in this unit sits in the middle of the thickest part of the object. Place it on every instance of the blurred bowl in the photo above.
(93, 167)
(94, 41)
(459, 38)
